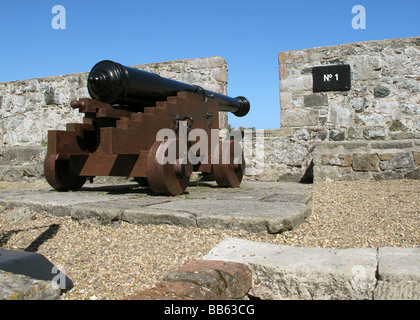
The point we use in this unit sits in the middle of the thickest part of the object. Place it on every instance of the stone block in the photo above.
(301, 134)
(299, 117)
(358, 104)
(374, 133)
(342, 160)
(335, 173)
(209, 281)
(284, 272)
(415, 174)
(397, 144)
(278, 133)
(397, 125)
(283, 71)
(372, 119)
(315, 100)
(398, 161)
(285, 100)
(388, 175)
(303, 83)
(385, 157)
(366, 67)
(202, 280)
(387, 107)
(231, 280)
(337, 135)
(398, 273)
(402, 135)
(411, 85)
(411, 109)
(381, 92)
(292, 56)
(291, 154)
(416, 158)
(338, 115)
(220, 75)
(354, 133)
(365, 162)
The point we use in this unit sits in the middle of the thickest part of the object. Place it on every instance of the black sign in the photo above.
(331, 78)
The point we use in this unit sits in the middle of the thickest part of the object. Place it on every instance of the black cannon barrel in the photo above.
(113, 83)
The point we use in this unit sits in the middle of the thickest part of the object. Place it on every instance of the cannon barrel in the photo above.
(113, 83)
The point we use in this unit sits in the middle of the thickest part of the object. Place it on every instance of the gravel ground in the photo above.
(112, 262)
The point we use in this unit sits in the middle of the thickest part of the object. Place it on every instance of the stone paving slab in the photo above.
(255, 206)
(398, 273)
(285, 272)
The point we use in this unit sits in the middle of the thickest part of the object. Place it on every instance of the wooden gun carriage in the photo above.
(118, 137)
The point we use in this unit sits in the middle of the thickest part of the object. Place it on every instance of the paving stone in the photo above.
(254, 207)
(399, 274)
(284, 272)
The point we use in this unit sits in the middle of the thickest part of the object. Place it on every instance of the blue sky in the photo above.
(247, 34)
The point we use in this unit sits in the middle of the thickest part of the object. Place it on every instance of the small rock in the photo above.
(19, 215)
(381, 92)
(415, 174)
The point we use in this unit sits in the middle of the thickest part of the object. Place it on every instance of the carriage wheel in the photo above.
(170, 178)
(230, 169)
(56, 172)
(142, 182)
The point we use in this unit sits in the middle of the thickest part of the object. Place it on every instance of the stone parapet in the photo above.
(366, 160)
(29, 108)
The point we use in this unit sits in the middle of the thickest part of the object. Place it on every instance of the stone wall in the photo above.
(29, 108)
(382, 104)
(384, 100)
(360, 160)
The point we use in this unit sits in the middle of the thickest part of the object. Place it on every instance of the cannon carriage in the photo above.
(138, 124)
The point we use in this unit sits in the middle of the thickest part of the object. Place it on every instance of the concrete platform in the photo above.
(271, 207)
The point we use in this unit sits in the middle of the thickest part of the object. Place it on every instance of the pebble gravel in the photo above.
(113, 262)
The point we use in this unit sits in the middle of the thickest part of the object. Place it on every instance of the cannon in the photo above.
(141, 125)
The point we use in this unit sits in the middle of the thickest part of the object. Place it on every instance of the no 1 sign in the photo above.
(331, 78)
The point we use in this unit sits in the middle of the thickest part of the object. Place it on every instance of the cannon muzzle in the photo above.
(113, 83)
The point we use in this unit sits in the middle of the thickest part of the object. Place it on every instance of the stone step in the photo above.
(303, 273)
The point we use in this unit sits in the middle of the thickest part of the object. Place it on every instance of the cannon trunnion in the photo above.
(118, 136)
